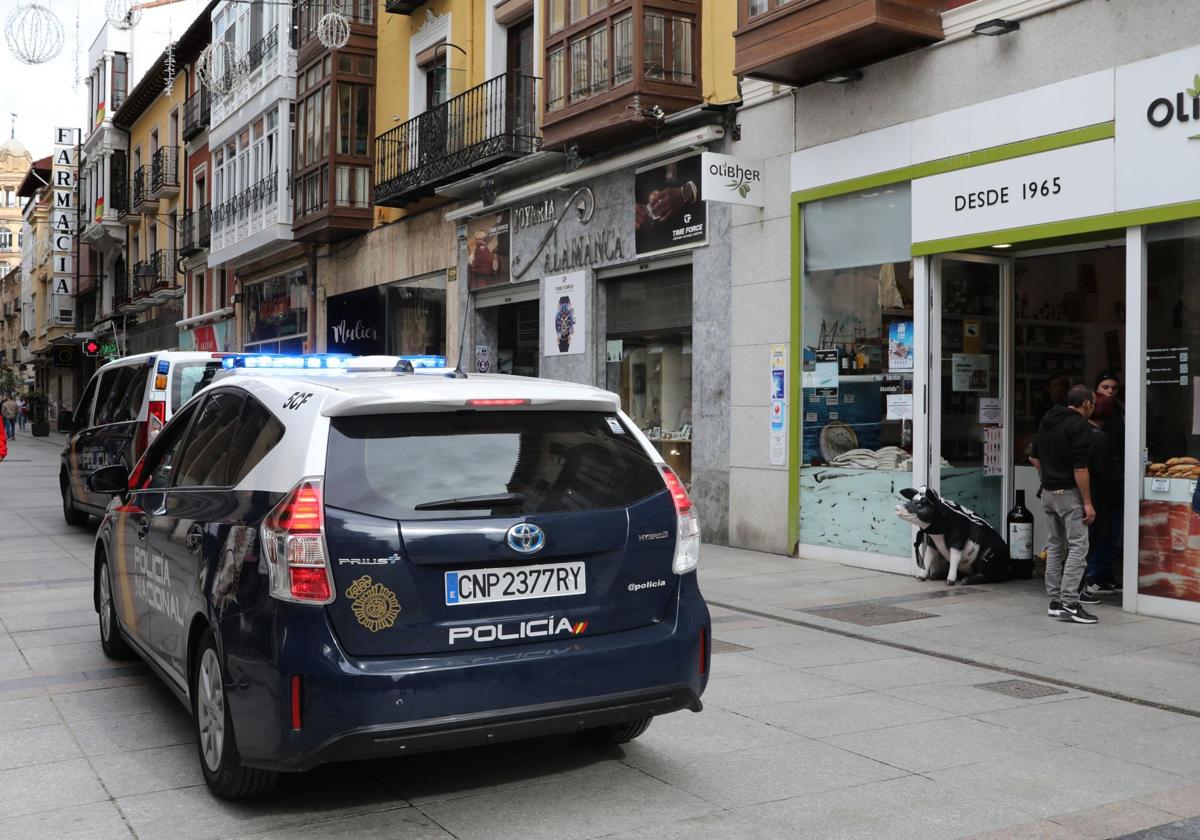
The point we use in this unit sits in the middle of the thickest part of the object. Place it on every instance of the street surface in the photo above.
(845, 704)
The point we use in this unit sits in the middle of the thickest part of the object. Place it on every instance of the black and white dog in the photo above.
(952, 540)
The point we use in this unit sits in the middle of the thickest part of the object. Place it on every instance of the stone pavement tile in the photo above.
(826, 650)
(1085, 720)
(740, 664)
(762, 593)
(97, 821)
(1113, 820)
(764, 774)
(783, 685)
(82, 616)
(774, 636)
(1181, 830)
(65, 658)
(56, 573)
(27, 712)
(134, 732)
(1041, 830)
(1068, 648)
(564, 808)
(31, 639)
(897, 809)
(936, 745)
(966, 699)
(714, 730)
(823, 717)
(13, 665)
(149, 770)
(193, 813)
(1172, 750)
(1182, 802)
(1055, 781)
(48, 787)
(38, 745)
(406, 822)
(714, 826)
(118, 701)
(1153, 674)
(901, 670)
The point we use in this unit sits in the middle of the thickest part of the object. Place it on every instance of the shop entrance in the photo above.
(516, 330)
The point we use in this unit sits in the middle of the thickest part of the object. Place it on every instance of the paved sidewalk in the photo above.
(813, 726)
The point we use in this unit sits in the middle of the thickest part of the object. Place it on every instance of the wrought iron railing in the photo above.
(204, 226)
(119, 196)
(262, 194)
(195, 231)
(164, 169)
(493, 121)
(141, 186)
(257, 54)
(155, 274)
(196, 113)
(122, 283)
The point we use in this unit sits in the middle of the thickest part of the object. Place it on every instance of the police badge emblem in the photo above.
(374, 605)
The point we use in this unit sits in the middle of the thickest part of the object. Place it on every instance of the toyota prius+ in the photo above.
(346, 558)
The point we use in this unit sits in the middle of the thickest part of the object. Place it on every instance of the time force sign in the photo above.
(1069, 183)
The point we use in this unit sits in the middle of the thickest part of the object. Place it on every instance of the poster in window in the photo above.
(970, 371)
(900, 346)
(565, 313)
(669, 211)
(488, 250)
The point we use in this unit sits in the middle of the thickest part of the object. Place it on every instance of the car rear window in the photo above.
(123, 401)
(190, 377)
(388, 464)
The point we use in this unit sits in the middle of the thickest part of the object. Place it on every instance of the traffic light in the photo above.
(91, 347)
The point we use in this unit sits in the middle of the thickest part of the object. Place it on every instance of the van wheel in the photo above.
(72, 514)
(224, 772)
(111, 641)
(617, 733)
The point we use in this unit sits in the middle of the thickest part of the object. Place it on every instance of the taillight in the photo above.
(687, 532)
(293, 540)
(156, 418)
(498, 403)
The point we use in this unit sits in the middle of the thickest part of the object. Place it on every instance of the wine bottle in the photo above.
(1020, 538)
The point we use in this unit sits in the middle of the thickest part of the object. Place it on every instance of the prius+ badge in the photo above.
(525, 538)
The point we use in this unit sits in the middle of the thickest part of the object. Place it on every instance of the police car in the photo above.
(332, 558)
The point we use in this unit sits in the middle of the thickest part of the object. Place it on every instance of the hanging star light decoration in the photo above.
(34, 33)
(333, 29)
(169, 67)
(123, 14)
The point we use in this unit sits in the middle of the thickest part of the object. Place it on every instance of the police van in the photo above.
(331, 558)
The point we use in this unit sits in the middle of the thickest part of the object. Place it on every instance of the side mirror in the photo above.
(111, 481)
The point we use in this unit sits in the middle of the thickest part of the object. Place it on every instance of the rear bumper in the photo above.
(493, 727)
(370, 708)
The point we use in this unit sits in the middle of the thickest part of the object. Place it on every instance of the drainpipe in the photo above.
(312, 298)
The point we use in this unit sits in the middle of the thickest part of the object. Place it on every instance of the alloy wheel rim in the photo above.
(210, 710)
(105, 606)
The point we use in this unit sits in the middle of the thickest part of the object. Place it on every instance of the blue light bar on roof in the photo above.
(280, 361)
(425, 361)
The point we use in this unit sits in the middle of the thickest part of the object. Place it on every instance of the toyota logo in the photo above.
(526, 538)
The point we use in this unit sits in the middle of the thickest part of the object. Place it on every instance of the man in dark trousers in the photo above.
(1061, 453)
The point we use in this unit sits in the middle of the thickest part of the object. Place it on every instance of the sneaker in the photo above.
(1077, 614)
(1103, 587)
(1055, 609)
(1088, 598)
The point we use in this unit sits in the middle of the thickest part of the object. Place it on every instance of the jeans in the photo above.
(10, 426)
(22, 419)
(1104, 539)
(1066, 554)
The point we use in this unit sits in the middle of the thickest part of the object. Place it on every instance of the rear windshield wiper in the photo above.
(468, 502)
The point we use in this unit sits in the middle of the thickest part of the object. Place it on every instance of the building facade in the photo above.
(14, 163)
(957, 256)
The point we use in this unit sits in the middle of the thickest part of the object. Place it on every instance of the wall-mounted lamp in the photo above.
(998, 26)
(840, 77)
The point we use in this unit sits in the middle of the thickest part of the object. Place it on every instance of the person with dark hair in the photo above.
(1107, 474)
(1061, 454)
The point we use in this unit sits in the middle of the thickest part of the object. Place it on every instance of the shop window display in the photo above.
(417, 318)
(276, 313)
(857, 403)
(1169, 527)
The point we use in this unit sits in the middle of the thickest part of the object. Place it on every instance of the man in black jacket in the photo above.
(1061, 453)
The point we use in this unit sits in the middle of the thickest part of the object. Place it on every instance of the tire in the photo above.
(617, 733)
(111, 640)
(72, 514)
(223, 770)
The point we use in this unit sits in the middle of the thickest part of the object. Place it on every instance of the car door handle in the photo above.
(194, 539)
(142, 528)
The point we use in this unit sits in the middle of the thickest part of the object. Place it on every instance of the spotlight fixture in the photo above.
(840, 77)
(1002, 246)
(998, 26)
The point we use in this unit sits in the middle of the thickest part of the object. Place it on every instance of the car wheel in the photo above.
(110, 632)
(72, 514)
(224, 772)
(617, 733)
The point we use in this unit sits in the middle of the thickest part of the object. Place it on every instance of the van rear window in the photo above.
(188, 378)
(473, 464)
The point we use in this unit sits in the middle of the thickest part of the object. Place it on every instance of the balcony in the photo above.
(164, 173)
(122, 301)
(155, 279)
(403, 7)
(493, 122)
(195, 231)
(796, 42)
(142, 202)
(257, 208)
(196, 113)
(259, 53)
